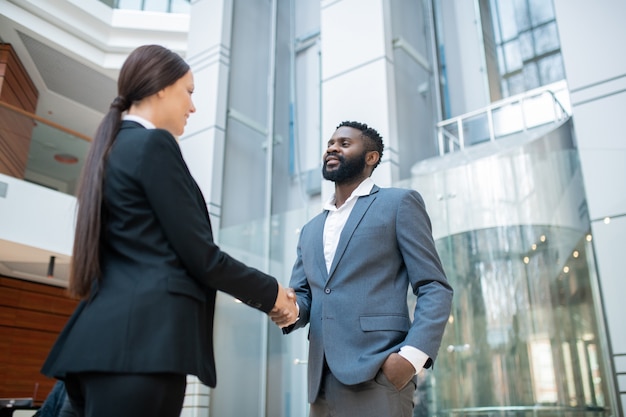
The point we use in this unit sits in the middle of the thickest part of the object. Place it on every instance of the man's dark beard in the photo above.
(348, 169)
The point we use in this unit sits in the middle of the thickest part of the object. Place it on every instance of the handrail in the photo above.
(458, 142)
(536, 410)
(44, 121)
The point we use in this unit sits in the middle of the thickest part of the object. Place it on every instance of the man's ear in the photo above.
(372, 157)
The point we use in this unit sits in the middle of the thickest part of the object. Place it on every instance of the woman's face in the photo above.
(176, 105)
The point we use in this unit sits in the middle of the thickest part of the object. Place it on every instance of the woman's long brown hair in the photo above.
(146, 71)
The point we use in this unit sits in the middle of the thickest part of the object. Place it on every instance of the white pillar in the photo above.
(591, 44)
(208, 54)
(357, 76)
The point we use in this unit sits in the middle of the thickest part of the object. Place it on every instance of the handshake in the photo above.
(285, 311)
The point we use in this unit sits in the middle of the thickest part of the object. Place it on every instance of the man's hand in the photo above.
(285, 311)
(398, 370)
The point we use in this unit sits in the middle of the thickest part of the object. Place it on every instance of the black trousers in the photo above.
(97, 394)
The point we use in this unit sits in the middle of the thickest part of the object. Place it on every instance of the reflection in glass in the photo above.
(525, 336)
(512, 56)
(41, 152)
(546, 38)
(541, 11)
(530, 328)
(551, 68)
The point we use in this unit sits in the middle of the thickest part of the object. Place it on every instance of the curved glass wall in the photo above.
(525, 336)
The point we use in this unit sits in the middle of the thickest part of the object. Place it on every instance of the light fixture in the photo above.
(65, 158)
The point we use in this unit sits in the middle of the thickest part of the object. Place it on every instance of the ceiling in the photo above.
(72, 52)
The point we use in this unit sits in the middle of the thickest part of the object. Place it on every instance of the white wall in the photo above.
(595, 66)
(36, 216)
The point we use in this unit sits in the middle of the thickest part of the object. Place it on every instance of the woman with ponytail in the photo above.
(144, 263)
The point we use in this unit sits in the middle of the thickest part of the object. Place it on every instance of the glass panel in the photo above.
(493, 5)
(526, 45)
(539, 110)
(506, 12)
(522, 16)
(551, 69)
(247, 343)
(523, 317)
(476, 129)
(500, 57)
(507, 120)
(529, 33)
(541, 11)
(165, 6)
(156, 5)
(516, 84)
(240, 332)
(531, 76)
(451, 137)
(512, 56)
(505, 88)
(54, 156)
(546, 38)
(129, 4)
(180, 6)
(523, 339)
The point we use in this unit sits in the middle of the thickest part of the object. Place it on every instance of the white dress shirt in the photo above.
(145, 123)
(335, 221)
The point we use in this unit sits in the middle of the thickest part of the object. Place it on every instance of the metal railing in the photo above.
(542, 106)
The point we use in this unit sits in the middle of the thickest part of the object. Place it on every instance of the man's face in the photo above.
(344, 158)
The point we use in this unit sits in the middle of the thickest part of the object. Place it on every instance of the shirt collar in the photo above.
(138, 119)
(364, 188)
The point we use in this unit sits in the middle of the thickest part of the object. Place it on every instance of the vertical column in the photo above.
(208, 54)
(598, 96)
(357, 75)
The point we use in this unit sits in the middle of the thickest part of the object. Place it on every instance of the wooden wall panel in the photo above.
(16, 89)
(31, 317)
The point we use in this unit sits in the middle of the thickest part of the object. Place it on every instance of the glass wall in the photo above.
(167, 6)
(523, 338)
(526, 333)
(260, 371)
(526, 42)
(55, 155)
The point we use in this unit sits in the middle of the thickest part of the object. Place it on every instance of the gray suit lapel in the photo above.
(318, 243)
(358, 211)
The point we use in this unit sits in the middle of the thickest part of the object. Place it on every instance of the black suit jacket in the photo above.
(152, 310)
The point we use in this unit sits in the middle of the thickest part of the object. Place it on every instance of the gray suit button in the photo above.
(327, 290)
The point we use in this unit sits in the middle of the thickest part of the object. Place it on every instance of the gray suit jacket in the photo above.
(358, 312)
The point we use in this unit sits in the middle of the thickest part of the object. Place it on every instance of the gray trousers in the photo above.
(375, 398)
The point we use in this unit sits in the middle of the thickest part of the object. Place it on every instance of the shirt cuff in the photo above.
(416, 357)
